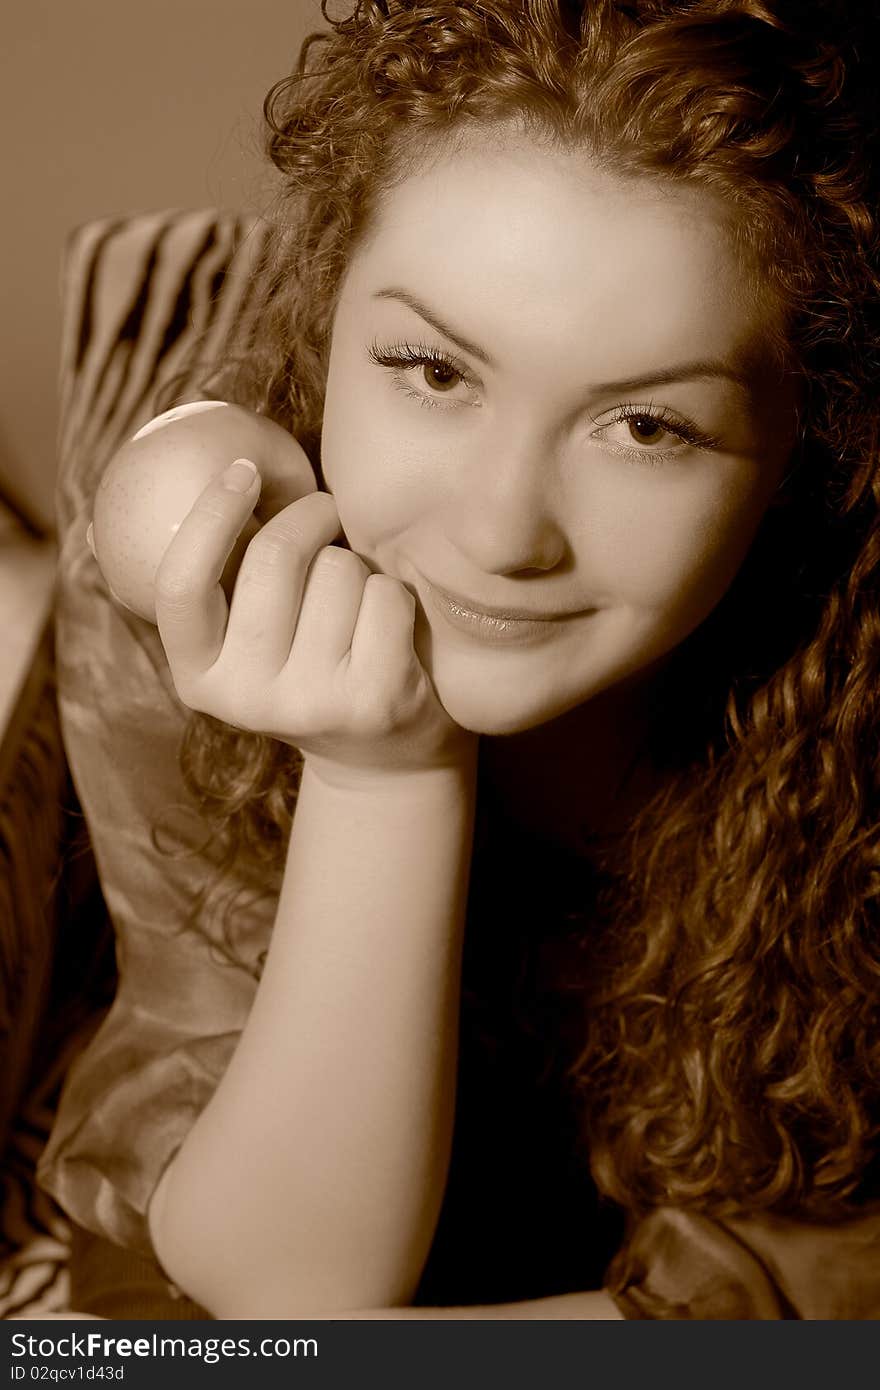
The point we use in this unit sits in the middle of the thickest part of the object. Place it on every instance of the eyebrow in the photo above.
(736, 371)
(472, 349)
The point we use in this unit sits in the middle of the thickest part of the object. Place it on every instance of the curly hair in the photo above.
(730, 1052)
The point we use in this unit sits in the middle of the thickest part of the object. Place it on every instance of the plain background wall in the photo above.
(107, 107)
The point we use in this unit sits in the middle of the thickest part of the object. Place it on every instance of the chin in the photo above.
(498, 691)
(485, 711)
(492, 725)
(503, 702)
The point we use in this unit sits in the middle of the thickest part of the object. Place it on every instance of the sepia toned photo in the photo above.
(441, 565)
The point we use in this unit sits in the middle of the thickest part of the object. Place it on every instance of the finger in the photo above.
(269, 590)
(382, 645)
(191, 606)
(329, 611)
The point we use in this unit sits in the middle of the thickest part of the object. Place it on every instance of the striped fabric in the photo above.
(144, 298)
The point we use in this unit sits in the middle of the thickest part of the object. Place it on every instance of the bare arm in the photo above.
(591, 1306)
(313, 1179)
(341, 1091)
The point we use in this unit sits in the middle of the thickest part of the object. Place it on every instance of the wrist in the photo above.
(456, 773)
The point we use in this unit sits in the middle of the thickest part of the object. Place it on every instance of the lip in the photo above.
(492, 624)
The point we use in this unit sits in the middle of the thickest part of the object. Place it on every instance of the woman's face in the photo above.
(549, 414)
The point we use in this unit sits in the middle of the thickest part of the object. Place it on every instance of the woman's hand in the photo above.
(314, 650)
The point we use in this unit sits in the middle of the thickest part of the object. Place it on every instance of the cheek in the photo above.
(671, 547)
(348, 454)
(382, 484)
(381, 458)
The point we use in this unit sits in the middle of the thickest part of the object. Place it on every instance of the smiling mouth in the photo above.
(512, 626)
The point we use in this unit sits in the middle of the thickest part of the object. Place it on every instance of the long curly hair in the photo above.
(730, 1049)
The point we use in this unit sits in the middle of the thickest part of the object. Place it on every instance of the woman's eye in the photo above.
(645, 430)
(427, 375)
(649, 435)
(440, 376)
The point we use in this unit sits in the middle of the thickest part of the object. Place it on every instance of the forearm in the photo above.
(594, 1305)
(313, 1179)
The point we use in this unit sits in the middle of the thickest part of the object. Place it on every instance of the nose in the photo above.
(506, 518)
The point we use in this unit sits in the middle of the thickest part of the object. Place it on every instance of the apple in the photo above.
(153, 480)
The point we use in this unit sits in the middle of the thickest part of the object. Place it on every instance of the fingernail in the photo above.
(239, 476)
(90, 538)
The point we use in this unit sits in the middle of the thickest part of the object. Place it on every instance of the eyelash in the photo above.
(403, 357)
(673, 424)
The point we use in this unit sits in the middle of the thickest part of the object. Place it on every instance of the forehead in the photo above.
(524, 238)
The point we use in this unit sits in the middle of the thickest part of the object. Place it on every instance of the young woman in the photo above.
(569, 667)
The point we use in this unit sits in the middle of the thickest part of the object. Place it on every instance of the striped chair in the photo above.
(144, 298)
